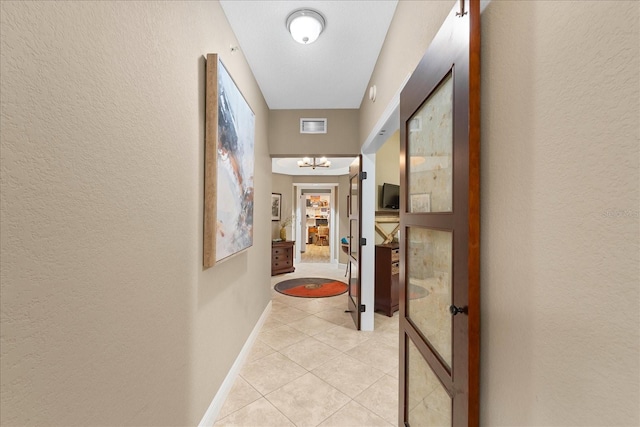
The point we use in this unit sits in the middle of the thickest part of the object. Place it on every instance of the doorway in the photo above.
(315, 239)
(316, 227)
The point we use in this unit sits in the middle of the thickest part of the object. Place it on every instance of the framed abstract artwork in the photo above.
(229, 166)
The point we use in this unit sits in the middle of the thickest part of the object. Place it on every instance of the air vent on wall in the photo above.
(313, 125)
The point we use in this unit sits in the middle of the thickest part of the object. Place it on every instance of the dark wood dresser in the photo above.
(387, 296)
(282, 257)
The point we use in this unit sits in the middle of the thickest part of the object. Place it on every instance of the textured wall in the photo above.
(107, 316)
(560, 221)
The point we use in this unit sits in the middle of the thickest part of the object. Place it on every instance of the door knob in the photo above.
(455, 310)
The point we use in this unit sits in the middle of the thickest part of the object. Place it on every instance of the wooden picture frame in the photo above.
(229, 166)
(276, 206)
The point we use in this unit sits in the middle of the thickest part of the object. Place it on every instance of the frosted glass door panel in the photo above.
(429, 402)
(430, 148)
(353, 209)
(429, 286)
(355, 238)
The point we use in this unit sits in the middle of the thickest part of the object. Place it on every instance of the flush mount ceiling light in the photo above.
(305, 25)
(308, 162)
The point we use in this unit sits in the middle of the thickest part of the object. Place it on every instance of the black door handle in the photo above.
(455, 310)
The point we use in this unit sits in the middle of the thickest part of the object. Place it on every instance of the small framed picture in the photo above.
(420, 202)
(276, 206)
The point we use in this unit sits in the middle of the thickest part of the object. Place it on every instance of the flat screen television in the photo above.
(390, 197)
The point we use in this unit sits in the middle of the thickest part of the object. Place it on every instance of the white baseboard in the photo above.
(218, 400)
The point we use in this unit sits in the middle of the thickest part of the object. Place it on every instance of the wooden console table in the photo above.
(282, 257)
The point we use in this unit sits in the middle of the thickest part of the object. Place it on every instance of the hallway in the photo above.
(310, 367)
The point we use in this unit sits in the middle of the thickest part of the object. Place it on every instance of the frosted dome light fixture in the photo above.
(305, 25)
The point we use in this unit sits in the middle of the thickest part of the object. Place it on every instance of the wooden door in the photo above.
(302, 241)
(354, 206)
(439, 218)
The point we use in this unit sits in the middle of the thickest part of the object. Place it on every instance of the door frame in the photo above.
(354, 304)
(333, 224)
(388, 123)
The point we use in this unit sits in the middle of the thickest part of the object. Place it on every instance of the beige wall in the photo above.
(107, 316)
(282, 184)
(560, 220)
(388, 164)
(560, 204)
(286, 140)
(387, 170)
(413, 26)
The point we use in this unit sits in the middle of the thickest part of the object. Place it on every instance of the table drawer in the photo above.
(395, 268)
(280, 257)
(281, 264)
(395, 255)
(279, 251)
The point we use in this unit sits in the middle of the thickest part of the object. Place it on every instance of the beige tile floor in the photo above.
(310, 367)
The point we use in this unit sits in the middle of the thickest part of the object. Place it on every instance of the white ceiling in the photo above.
(332, 72)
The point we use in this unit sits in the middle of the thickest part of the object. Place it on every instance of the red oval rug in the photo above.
(314, 287)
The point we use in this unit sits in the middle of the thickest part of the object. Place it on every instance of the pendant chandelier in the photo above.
(312, 162)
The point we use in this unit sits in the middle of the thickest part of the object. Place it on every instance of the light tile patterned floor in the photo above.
(310, 367)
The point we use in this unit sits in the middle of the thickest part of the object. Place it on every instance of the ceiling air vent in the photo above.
(313, 125)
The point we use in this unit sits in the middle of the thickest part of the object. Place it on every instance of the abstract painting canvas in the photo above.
(229, 166)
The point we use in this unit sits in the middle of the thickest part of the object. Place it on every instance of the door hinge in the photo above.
(363, 308)
(363, 241)
(363, 175)
(462, 11)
